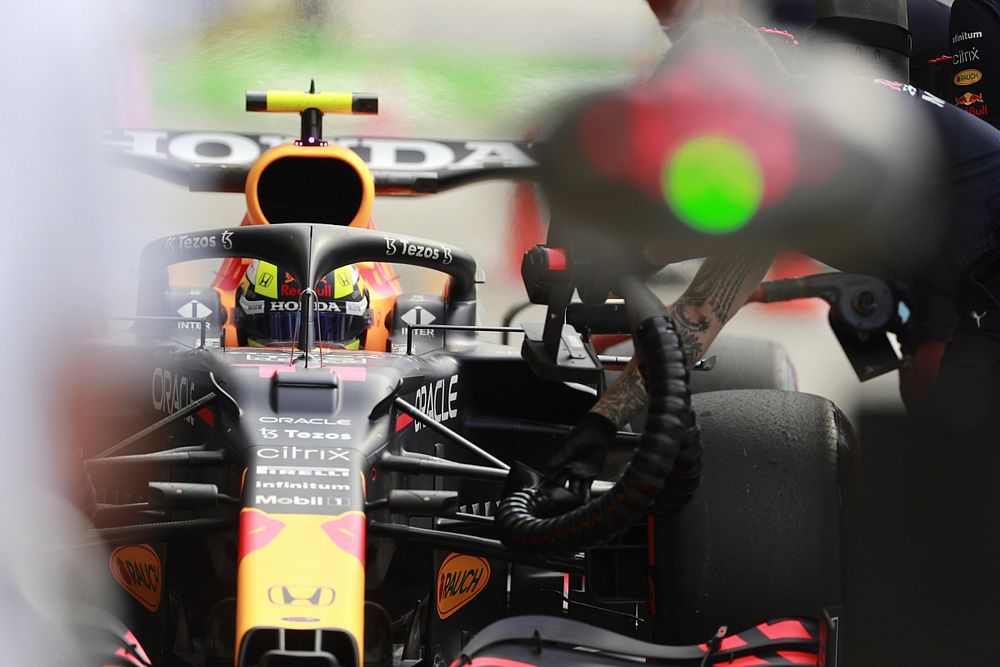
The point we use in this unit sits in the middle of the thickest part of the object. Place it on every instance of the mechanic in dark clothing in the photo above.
(927, 594)
(969, 380)
(967, 392)
(975, 46)
(927, 24)
(930, 68)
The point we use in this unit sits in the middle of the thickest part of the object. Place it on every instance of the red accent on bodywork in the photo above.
(137, 647)
(526, 227)
(256, 531)
(207, 416)
(350, 373)
(557, 259)
(799, 657)
(602, 342)
(138, 656)
(268, 370)
(790, 629)
(489, 661)
(402, 421)
(728, 643)
(345, 373)
(348, 532)
(745, 661)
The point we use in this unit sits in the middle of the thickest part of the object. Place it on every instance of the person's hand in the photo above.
(581, 458)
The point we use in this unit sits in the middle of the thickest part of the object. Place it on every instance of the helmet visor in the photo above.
(276, 323)
(269, 323)
(341, 323)
(339, 330)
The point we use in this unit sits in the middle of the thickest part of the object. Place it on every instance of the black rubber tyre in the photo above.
(746, 363)
(743, 363)
(763, 537)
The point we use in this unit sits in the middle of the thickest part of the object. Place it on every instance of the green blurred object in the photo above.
(425, 85)
(713, 184)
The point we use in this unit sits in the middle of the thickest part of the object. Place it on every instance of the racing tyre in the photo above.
(764, 536)
(743, 363)
(746, 363)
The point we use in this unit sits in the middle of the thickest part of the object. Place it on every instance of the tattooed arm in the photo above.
(720, 288)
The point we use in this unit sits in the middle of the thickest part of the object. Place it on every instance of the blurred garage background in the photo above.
(442, 70)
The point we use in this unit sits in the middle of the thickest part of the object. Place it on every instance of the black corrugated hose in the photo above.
(651, 476)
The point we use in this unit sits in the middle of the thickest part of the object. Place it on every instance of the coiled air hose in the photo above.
(669, 423)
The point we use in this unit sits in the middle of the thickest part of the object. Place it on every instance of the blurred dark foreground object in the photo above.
(721, 150)
(925, 579)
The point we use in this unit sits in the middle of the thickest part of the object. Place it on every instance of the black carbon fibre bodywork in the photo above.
(408, 448)
(337, 411)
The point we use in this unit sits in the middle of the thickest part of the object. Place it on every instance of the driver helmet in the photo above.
(267, 308)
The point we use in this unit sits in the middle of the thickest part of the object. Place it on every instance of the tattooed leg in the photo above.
(625, 398)
(691, 328)
(721, 286)
(717, 291)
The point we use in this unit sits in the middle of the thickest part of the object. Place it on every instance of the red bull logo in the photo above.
(323, 290)
(979, 111)
(968, 99)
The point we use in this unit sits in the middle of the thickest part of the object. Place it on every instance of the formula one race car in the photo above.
(301, 491)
